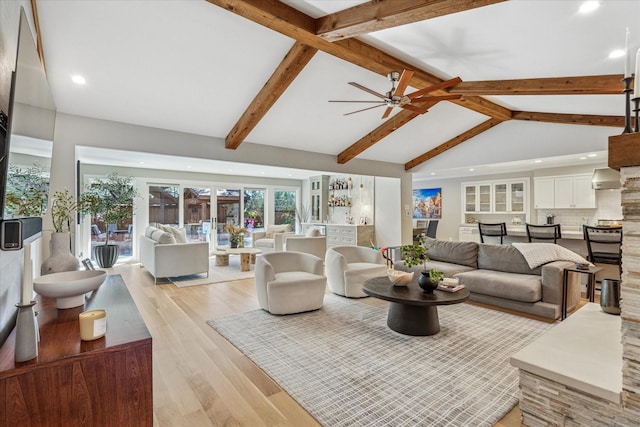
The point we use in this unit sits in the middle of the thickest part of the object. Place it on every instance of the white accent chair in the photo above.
(348, 267)
(316, 245)
(272, 239)
(290, 282)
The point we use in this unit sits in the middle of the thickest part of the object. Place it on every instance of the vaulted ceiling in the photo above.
(535, 77)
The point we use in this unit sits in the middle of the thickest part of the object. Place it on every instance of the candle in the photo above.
(27, 276)
(627, 57)
(93, 324)
(636, 81)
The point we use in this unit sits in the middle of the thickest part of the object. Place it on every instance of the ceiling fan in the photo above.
(419, 101)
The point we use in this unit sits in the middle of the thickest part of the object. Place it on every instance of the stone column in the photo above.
(624, 155)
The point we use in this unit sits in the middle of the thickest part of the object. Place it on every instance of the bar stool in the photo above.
(495, 230)
(544, 232)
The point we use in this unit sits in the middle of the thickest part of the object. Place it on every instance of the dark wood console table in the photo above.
(105, 382)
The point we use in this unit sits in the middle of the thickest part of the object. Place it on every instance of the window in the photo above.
(164, 204)
(285, 207)
(254, 208)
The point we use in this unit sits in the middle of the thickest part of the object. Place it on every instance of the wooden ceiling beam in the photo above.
(452, 143)
(570, 119)
(382, 14)
(585, 85)
(293, 63)
(395, 122)
(295, 24)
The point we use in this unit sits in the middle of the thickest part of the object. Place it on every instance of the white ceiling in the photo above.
(194, 67)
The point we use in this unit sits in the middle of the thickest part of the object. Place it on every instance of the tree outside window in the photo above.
(285, 207)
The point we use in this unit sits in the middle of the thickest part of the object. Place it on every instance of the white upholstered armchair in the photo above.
(272, 239)
(316, 245)
(290, 282)
(347, 267)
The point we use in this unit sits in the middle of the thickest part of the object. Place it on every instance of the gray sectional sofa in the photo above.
(499, 275)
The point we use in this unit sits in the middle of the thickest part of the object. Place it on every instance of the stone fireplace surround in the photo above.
(548, 399)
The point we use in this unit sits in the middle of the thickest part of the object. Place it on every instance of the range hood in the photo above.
(605, 179)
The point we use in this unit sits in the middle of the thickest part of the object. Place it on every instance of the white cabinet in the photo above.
(508, 197)
(564, 192)
(477, 198)
(495, 197)
(544, 193)
(349, 235)
(319, 197)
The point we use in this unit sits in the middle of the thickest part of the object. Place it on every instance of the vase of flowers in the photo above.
(416, 254)
(236, 235)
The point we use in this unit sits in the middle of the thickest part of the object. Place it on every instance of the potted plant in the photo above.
(236, 235)
(416, 254)
(110, 201)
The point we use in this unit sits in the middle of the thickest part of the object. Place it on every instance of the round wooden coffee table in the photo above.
(411, 311)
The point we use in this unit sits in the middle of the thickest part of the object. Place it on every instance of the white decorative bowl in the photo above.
(69, 287)
(399, 278)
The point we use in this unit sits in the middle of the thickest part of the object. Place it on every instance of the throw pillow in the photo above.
(166, 238)
(149, 231)
(180, 234)
(165, 227)
(313, 232)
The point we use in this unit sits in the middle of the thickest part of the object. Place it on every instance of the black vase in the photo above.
(425, 282)
(106, 255)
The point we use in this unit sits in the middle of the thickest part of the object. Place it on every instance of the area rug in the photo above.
(216, 274)
(347, 368)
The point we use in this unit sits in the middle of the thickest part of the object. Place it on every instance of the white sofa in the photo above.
(347, 268)
(163, 256)
(272, 239)
(290, 282)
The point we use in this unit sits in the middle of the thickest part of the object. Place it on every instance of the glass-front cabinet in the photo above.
(477, 197)
(508, 196)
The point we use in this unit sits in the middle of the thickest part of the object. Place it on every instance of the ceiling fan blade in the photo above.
(405, 78)
(435, 98)
(438, 86)
(364, 109)
(387, 112)
(366, 89)
(420, 110)
(369, 102)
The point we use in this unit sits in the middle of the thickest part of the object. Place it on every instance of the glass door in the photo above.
(253, 212)
(228, 211)
(196, 215)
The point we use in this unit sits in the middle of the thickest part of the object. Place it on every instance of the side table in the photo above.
(591, 284)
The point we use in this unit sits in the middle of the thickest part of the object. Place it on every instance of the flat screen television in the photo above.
(26, 132)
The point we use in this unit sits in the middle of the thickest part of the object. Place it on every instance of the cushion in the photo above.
(165, 227)
(503, 258)
(276, 229)
(180, 234)
(513, 286)
(462, 253)
(163, 237)
(149, 231)
(313, 232)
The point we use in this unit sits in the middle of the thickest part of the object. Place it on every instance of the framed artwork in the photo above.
(427, 203)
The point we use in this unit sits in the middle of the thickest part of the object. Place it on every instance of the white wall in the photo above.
(388, 212)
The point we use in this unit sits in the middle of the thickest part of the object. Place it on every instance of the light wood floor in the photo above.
(199, 378)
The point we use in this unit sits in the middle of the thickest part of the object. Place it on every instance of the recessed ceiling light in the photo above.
(537, 161)
(589, 6)
(618, 53)
(583, 158)
(433, 173)
(142, 163)
(78, 79)
(471, 169)
(592, 155)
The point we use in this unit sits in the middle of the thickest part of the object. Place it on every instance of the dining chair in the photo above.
(493, 230)
(431, 228)
(543, 232)
(604, 245)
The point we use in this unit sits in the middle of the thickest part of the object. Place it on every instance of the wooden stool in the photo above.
(222, 258)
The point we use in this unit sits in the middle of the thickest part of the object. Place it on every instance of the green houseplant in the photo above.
(110, 200)
(416, 254)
